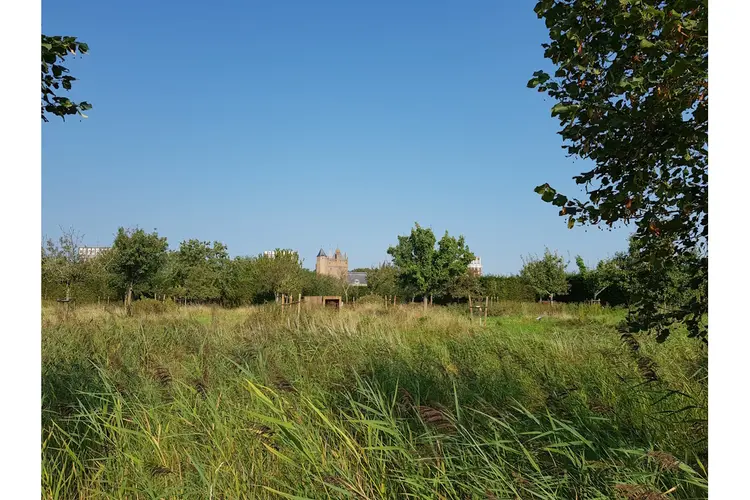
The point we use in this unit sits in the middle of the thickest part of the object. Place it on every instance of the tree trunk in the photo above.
(430, 299)
(129, 300)
(551, 300)
(424, 302)
(67, 298)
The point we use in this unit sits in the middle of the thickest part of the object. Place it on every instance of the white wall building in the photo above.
(85, 253)
(475, 266)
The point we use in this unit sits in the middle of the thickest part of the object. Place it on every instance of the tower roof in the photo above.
(322, 253)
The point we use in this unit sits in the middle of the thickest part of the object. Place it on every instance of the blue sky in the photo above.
(300, 124)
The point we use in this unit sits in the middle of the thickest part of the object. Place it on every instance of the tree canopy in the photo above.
(546, 275)
(55, 76)
(631, 92)
(61, 262)
(280, 273)
(137, 258)
(606, 273)
(383, 280)
(426, 269)
(200, 269)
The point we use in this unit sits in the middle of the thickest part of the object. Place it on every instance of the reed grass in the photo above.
(369, 402)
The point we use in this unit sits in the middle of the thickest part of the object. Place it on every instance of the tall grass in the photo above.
(368, 403)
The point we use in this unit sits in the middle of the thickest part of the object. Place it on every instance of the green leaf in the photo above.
(571, 222)
(559, 108)
(560, 200)
(540, 77)
(646, 44)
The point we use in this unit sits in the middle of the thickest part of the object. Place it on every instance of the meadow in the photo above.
(368, 402)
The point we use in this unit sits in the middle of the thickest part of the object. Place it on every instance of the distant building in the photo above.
(336, 265)
(475, 266)
(86, 253)
(356, 278)
(272, 253)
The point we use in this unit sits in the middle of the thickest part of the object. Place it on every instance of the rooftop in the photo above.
(357, 278)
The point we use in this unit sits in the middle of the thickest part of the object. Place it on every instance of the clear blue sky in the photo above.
(218, 120)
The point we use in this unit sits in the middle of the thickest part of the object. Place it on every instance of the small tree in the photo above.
(464, 286)
(546, 275)
(318, 284)
(343, 280)
(61, 262)
(607, 273)
(136, 259)
(281, 273)
(659, 289)
(424, 268)
(200, 269)
(383, 280)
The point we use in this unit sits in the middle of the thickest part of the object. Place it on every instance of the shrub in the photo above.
(145, 307)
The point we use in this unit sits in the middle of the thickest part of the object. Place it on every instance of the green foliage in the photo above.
(201, 270)
(464, 286)
(137, 257)
(280, 274)
(425, 269)
(54, 76)
(608, 272)
(61, 264)
(507, 287)
(546, 275)
(239, 286)
(316, 285)
(663, 291)
(632, 96)
(383, 280)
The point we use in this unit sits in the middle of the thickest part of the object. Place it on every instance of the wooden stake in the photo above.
(471, 311)
(486, 307)
(299, 303)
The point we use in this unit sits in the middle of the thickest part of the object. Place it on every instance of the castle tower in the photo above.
(321, 262)
(336, 265)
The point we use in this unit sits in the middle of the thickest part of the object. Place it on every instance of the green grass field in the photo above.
(368, 403)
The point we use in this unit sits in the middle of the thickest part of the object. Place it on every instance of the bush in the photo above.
(371, 299)
(145, 307)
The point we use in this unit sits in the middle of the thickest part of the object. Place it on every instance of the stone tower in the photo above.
(336, 266)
